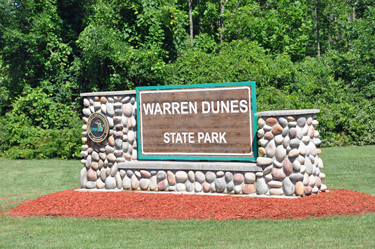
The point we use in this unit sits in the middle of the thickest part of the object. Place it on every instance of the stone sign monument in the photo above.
(198, 139)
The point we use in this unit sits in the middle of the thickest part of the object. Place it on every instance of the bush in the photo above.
(39, 127)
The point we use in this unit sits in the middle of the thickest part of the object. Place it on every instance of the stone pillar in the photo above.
(288, 152)
(101, 160)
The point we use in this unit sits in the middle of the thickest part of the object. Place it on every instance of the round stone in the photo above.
(230, 187)
(191, 176)
(285, 132)
(308, 190)
(293, 153)
(261, 186)
(261, 151)
(306, 179)
(180, 187)
(278, 174)
(91, 175)
(263, 142)
(267, 169)
(199, 177)
(292, 132)
(301, 121)
(280, 153)
(171, 178)
(114, 169)
(134, 182)
(279, 139)
(248, 188)
(296, 176)
(322, 176)
(220, 185)
(323, 187)
(264, 161)
(134, 155)
(163, 185)
(138, 174)
(267, 127)
(110, 109)
(145, 173)
(111, 141)
(219, 173)
(296, 165)
(271, 149)
(144, 183)
(127, 156)
(294, 142)
(312, 181)
(277, 129)
(189, 186)
(210, 176)
(299, 189)
(288, 169)
(275, 184)
(127, 109)
(283, 122)
(268, 177)
(125, 99)
(276, 191)
(94, 165)
(110, 183)
(181, 176)
(250, 177)
(238, 178)
(268, 135)
(271, 121)
(153, 183)
(206, 187)
(161, 175)
(198, 187)
(315, 190)
(288, 187)
(261, 133)
(315, 123)
(86, 112)
(131, 136)
(309, 166)
(100, 184)
(91, 184)
(261, 122)
(228, 176)
(237, 189)
(278, 164)
(111, 157)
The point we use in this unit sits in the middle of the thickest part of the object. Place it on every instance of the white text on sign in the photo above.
(189, 137)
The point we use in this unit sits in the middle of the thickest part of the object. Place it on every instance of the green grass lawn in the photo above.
(349, 168)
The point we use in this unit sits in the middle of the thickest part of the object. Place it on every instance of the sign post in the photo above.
(197, 122)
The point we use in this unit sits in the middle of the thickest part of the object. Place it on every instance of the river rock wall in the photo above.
(288, 152)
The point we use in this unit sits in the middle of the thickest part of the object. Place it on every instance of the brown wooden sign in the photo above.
(197, 123)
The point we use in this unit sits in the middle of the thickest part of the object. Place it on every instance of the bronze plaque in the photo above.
(97, 127)
(196, 123)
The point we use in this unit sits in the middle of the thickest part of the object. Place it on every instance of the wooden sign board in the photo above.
(197, 122)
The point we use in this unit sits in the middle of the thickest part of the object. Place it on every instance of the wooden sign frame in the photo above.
(249, 87)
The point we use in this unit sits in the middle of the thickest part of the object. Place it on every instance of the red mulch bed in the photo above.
(125, 205)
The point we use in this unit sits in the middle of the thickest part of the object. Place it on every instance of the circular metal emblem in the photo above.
(97, 127)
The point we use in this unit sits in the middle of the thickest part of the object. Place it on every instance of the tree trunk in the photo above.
(317, 27)
(222, 18)
(191, 21)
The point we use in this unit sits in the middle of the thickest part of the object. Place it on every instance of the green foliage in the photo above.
(53, 50)
(39, 127)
